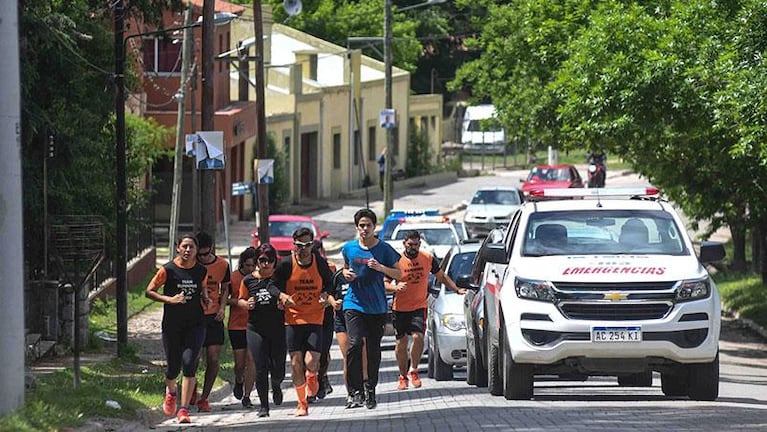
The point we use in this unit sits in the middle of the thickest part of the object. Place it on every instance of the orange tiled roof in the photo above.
(222, 6)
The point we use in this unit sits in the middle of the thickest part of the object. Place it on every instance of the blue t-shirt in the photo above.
(367, 293)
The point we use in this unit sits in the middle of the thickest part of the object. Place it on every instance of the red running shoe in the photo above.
(183, 416)
(203, 405)
(169, 404)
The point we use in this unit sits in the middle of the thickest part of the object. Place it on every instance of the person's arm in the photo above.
(152, 289)
(277, 285)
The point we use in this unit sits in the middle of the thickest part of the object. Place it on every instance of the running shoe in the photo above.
(263, 412)
(370, 399)
(357, 400)
(277, 394)
(246, 403)
(402, 383)
(415, 378)
(325, 384)
(183, 416)
(237, 391)
(203, 405)
(302, 410)
(169, 404)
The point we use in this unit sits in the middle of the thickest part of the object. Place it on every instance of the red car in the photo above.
(281, 229)
(552, 176)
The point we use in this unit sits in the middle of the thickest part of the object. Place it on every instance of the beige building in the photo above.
(309, 112)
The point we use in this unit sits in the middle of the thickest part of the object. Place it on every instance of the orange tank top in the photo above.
(305, 286)
(238, 317)
(416, 273)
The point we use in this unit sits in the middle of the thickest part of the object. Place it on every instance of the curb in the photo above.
(747, 323)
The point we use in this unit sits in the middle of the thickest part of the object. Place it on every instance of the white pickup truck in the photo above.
(605, 284)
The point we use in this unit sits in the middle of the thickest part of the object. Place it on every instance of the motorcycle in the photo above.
(596, 175)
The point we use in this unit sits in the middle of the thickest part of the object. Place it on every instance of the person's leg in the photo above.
(374, 328)
(401, 321)
(214, 340)
(355, 327)
(416, 329)
(278, 351)
(172, 344)
(238, 342)
(259, 352)
(249, 375)
(327, 342)
(193, 340)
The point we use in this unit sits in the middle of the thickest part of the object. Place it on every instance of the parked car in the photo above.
(551, 177)
(397, 217)
(473, 310)
(445, 329)
(281, 229)
(605, 285)
(490, 208)
(437, 237)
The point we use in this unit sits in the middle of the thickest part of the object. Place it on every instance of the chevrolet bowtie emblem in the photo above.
(615, 296)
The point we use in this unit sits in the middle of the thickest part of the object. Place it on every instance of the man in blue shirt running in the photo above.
(366, 261)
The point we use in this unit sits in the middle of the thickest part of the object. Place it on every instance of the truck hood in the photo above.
(610, 268)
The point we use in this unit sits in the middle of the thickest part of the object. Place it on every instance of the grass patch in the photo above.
(54, 403)
(744, 293)
(520, 161)
(136, 385)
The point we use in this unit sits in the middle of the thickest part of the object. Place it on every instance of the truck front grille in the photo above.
(615, 311)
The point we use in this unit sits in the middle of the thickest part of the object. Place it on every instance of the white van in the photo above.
(477, 140)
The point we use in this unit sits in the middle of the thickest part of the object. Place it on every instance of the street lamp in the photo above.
(121, 189)
(388, 198)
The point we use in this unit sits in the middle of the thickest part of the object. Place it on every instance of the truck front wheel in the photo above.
(674, 384)
(494, 378)
(518, 378)
(704, 380)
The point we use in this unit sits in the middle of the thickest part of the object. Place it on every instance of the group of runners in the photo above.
(291, 307)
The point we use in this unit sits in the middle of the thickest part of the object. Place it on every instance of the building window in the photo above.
(372, 153)
(336, 151)
(161, 55)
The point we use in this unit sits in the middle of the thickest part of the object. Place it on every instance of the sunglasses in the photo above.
(265, 260)
(302, 245)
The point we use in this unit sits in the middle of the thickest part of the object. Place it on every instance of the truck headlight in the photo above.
(693, 289)
(534, 290)
(454, 322)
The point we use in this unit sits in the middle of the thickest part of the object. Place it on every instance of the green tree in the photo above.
(66, 52)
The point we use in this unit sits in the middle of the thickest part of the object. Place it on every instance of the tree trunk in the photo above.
(738, 232)
(762, 246)
(756, 252)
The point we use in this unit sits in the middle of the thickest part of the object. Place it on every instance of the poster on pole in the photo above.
(210, 150)
(387, 118)
(265, 170)
(189, 144)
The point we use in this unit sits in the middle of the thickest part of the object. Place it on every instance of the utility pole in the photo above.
(121, 195)
(178, 162)
(11, 222)
(208, 109)
(263, 188)
(387, 189)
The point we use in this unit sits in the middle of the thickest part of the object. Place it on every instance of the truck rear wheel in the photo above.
(518, 378)
(704, 380)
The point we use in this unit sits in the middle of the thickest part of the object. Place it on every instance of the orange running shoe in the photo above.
(183, 416)
(169, 404)
(312, 384)
(203, 405)
(302, 410)
(415, 378)
(402, 383)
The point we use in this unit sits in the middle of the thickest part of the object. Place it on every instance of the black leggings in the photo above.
(182, 345)
(269, 352)
(358, 326)
(327, 340)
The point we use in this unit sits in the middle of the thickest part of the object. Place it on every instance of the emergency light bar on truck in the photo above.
(593, 192)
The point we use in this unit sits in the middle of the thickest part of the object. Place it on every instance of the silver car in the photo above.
(490, 208)
(446, 328)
